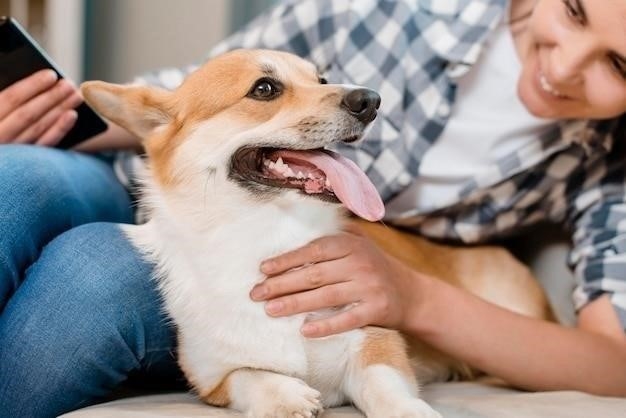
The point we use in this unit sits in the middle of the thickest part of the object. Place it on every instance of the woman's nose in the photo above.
(568, 63)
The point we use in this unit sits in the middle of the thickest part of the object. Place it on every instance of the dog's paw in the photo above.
(410, 408)
(292, 399)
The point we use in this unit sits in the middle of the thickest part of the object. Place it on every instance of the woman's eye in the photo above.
(264, 89)
(573, 12)
(618, 66)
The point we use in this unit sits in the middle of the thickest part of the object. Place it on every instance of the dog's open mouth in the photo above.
(322, 173)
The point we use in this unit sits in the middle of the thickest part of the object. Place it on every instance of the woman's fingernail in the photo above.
(72, 115)
(50, 75)
(274, 306)
(308, 329)
(267, 265)
(258, 293)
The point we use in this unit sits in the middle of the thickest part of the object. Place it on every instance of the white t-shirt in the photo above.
(488, 121)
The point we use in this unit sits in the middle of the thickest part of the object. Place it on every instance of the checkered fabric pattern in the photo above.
(411, 52)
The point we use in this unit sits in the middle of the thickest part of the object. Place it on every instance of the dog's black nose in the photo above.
(362, 104)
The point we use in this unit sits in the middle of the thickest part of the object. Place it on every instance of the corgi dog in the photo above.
(238, 172)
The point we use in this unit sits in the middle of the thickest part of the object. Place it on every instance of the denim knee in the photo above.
(87, 314)
(44, 192)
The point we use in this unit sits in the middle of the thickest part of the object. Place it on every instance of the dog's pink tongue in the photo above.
(348, 182)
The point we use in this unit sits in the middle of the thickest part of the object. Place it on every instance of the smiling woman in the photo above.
(574, 58)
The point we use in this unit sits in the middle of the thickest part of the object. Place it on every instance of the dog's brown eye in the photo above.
(265, 89)
(323, 80)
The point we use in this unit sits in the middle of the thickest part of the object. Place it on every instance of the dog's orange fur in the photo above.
(383, 346)
(218, 396)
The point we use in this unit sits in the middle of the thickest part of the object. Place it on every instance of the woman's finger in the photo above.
(24, 90)
(338, 294)
(352, 318)
(57, 131)
(306, 278)
(35, 132)
(322, 249)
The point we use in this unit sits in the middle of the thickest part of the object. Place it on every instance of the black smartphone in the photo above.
(21, 56)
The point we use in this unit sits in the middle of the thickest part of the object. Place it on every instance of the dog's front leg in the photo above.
(380, 380)
(264, 394)
(381, 391)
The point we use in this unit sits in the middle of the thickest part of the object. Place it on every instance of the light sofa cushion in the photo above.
(482, 399)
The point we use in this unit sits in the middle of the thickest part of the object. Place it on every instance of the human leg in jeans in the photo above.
(81, 312)
(45, 192)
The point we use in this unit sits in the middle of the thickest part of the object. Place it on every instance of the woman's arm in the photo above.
(599, 317)
(528, 353)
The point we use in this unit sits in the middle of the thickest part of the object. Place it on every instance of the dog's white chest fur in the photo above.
(205, 273)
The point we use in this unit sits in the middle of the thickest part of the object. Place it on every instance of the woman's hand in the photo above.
(38, 109)
(347, 269)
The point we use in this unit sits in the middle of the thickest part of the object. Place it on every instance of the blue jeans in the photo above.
(79, 312)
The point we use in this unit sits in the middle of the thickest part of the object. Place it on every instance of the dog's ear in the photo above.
(139, 109)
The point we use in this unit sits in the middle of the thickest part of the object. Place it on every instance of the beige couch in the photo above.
(452, 400)
(482, 399)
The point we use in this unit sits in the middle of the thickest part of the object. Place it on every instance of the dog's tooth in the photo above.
(289, 172)
(267, 163)
(300, 175)
(272, 165)
(280, 162)
(327, 184)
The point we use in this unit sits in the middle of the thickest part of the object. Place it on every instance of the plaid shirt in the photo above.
(411, 52)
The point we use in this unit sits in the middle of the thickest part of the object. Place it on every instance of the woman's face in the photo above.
(575, 62)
